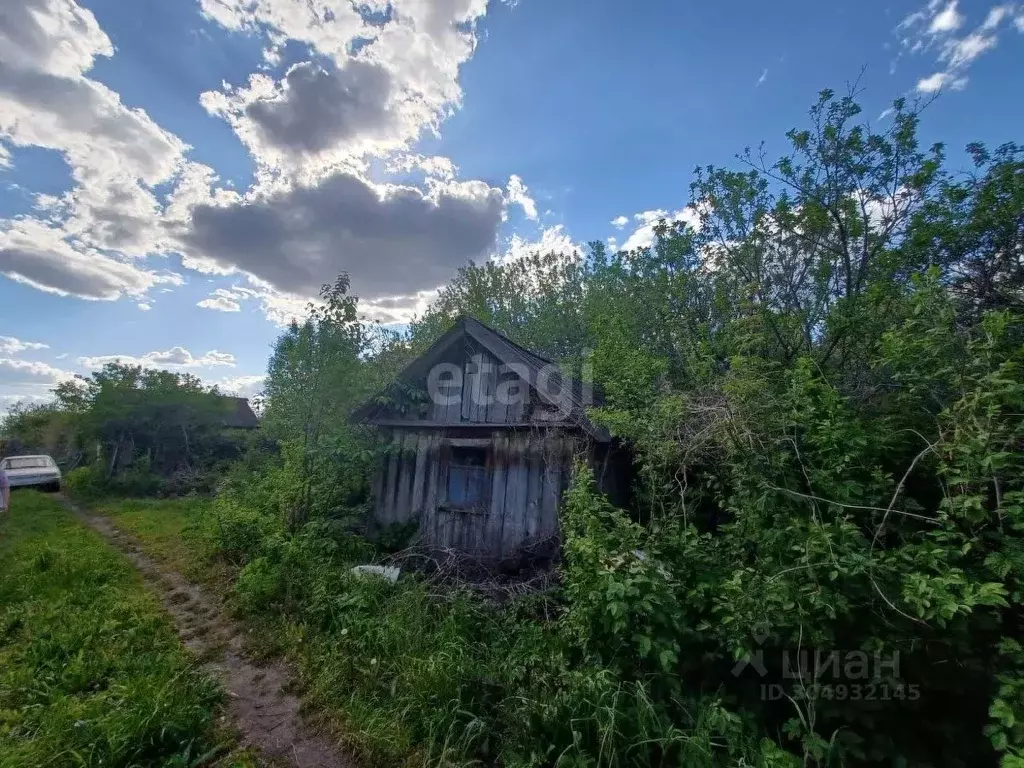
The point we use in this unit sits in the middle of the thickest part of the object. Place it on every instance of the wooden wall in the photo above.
(490, 393)
(527, 472)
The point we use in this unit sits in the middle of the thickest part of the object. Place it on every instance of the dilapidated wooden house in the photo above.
(482, 434)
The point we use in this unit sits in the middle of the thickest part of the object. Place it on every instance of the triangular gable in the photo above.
(563, 400)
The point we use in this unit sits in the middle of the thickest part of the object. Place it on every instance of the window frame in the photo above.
(482, 469)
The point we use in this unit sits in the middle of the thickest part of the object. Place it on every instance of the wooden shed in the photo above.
(481, 437)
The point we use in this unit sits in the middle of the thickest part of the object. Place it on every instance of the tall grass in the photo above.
(91, 671)
(417, 675)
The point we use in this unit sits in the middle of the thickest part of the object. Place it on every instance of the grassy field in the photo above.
(91, 670)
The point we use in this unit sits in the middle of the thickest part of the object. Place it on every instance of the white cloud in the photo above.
(762, 78)
(961, 53)
(347, 100)
(35, 253)
(935, 29)
(115, 154)
(552, 240)
(946, 20)
(518, 194)
(174, 358)
(995, 17)
(223, 300)
(240, 386)
(29, 380)
(940, 80)
(5, 157)
(644, 235)
(145, 306)
(365, 90)
(12, 346)
(434, 166)
(620, 222)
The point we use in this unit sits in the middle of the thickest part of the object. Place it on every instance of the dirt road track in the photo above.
(260, 707)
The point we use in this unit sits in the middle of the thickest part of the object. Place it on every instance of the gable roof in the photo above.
(509, 353)
(238, 414)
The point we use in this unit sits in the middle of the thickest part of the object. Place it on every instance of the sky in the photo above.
(179, 177)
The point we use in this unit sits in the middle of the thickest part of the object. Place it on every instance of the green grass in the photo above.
(170, 531)
(410, 674)
(91, 670)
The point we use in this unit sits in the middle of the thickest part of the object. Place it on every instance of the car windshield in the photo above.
(28, 462)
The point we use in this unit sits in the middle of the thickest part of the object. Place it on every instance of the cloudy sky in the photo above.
(178, 177)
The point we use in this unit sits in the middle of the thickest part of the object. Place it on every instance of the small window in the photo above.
(27, 462)
(467, 478)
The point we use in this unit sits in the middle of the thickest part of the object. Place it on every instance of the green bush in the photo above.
(85, 483)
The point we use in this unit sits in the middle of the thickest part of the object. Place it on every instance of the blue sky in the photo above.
(178, 176)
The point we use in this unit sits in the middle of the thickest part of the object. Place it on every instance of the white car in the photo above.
(32, 470)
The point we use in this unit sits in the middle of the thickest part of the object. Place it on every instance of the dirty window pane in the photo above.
(467, 475)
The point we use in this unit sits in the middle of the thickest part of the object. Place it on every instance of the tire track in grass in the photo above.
(260, 705)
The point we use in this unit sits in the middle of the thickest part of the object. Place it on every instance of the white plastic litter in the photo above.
(388, 572)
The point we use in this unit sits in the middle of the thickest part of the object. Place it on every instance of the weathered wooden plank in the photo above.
(551, 487)
(499, 468)
(423, 443)
(517, 408)
(515, 497)
(535, 493)
(379, 485)
(477, 526)
(483, 395)
(470, 384)
(406, 469)
(428, 523)
(388, 508)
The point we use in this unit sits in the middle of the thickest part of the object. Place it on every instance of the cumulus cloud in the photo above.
(647, 221)
(518, 194)
(220, 304)
(12, 346)
(116, 154)
(316, 107)
(174, 358)
(552, 240)
(222, 300)
(56, 36)
(434, 166)
(946, 20)
(936, 28)
(35, 253)
(373, 86)
(375, 78)
(240, 386)
(31, 381)
(391, 239)
(620, 222)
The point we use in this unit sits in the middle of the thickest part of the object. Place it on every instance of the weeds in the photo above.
(91, 672)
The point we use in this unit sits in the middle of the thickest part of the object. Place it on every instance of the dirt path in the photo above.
(260, 706)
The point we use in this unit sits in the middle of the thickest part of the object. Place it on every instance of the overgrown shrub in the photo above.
(85, 483)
